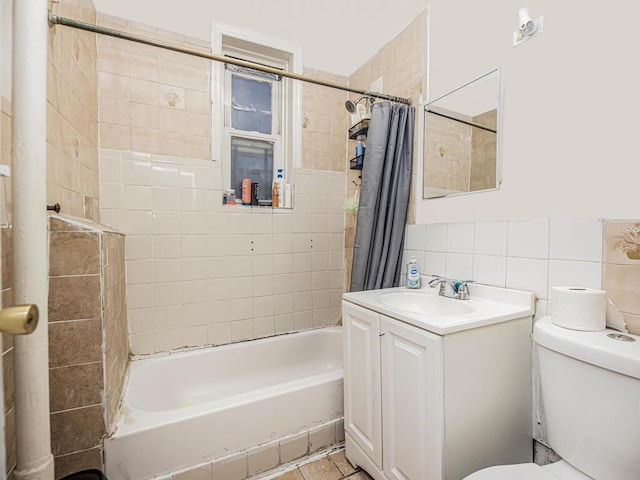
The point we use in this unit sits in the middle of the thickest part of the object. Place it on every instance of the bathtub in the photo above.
(192, 407)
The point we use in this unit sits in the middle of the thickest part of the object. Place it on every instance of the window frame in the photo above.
(264, 49)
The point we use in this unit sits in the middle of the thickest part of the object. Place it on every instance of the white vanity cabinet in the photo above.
(426, 406)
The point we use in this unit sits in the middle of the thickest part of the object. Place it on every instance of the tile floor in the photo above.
(334, 466)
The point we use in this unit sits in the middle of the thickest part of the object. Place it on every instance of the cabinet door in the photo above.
(411, 402)
(362, 410)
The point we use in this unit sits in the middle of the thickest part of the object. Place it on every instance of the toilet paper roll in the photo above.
(579, 308)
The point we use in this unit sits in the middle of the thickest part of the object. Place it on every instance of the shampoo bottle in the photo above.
(413, 273)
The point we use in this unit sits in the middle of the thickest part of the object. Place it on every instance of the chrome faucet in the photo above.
(459, 288)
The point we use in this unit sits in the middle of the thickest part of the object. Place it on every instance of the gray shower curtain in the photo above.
(384, 198)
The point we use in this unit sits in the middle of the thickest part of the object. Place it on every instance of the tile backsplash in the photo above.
(535, 255)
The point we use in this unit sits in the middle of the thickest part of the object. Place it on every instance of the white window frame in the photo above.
(243, 43)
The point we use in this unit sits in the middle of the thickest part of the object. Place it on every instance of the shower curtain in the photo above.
(384, 198)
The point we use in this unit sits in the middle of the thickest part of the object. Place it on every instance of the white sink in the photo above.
(427, 310)
(419, 302)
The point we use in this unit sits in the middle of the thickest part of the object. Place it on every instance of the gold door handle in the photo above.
(19, 319)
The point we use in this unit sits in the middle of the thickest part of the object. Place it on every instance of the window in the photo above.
(256, 115)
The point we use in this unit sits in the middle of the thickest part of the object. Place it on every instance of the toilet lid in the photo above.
(521, 471)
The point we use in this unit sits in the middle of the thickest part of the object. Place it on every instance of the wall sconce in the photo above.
(527, 27)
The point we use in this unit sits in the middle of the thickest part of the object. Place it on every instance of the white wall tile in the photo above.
(195, 337)
(262, 285)
(242, 309)
(242, 330)
(165, 199)
(490, 270)
(136, 172)
(219, 333)
(136, 197)
(166, 223)
(140, 296)
(262, 264)
(138, 247)
(528, 239)
(435, 263)
(459, 266)
(415, 239)
(167, 270)
(528, 274)
(283, 242)
(490, 238)
(194, 291)
(574, 274)
(167, 294)
(460, 237)
(576, 239)
(165, 175)
(282, 222)
(139, 271)
(241, 266)
(436, 237)
(110, 195)
(110, 169)
(166, 246)
(137, 222)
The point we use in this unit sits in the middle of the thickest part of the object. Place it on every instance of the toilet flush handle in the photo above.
(19, 319)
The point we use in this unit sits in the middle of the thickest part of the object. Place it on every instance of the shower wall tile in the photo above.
(67, 437)
(72, 114)
(160, 187)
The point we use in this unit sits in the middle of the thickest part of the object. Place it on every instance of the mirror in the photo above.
(462, 140)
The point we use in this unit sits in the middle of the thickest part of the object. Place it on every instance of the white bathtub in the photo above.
(189, 408)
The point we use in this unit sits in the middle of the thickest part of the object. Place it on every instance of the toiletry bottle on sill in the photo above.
(413, 273)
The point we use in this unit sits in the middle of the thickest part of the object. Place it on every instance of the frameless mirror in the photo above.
(462, 139)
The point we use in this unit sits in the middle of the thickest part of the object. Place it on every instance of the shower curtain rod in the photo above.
(68, 22)
(477, 125)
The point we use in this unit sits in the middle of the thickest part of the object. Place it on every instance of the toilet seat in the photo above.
(520, 471)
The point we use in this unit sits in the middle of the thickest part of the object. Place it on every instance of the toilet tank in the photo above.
(590, 391)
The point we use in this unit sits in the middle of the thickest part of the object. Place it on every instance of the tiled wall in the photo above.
(87, 310)
(72, 112)
(324, 124)
(402, 64)
(622, 271)
(532, 255)
(447, 155)
(198, 272)
(483, 148)
(153, 100)
(201, 273)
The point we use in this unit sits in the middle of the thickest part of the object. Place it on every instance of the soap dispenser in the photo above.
(413, 273)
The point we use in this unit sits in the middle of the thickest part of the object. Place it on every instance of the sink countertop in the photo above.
(487, 305)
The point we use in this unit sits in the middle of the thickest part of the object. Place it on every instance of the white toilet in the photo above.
(590, 390)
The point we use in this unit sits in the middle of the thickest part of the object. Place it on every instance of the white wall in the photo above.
(571, 99)
(337, 36)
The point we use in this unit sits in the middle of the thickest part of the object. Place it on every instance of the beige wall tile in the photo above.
(233, 467)
(75, 342)
(74, 297)
(75, 386)
(74, 253)
(621, 283)
(263, 458)
(142, 91)
(66, 437)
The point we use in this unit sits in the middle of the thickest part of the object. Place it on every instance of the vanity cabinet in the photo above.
(424, 406)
